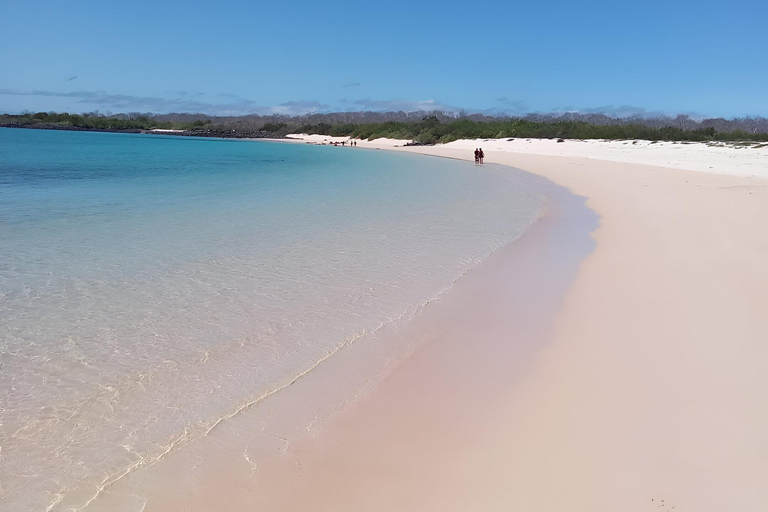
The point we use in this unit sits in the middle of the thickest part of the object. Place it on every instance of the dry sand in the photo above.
(651, 393)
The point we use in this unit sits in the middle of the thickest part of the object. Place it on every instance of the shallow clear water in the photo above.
(151, 285)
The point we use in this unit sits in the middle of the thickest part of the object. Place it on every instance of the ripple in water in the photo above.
(150, 286)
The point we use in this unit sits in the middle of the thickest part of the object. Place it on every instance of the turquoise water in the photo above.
(151, 285)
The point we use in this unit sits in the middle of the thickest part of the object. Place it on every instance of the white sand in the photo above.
(651, 394)
(722, 158)
(719, 158)
(382, 143)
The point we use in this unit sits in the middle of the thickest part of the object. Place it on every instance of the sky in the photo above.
(703, 58)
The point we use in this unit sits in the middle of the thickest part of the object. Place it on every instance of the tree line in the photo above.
(426, 128)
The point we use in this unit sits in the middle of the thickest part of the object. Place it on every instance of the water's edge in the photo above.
(135, 271)
(251, 437)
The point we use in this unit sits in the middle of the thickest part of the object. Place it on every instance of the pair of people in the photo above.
(479, 155)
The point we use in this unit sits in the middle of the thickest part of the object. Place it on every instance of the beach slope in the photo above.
(649, 395)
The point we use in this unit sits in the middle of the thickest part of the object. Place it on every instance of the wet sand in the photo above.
(477, 340)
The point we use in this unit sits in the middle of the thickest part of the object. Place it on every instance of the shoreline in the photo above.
(712, 158)
(645, 393)
(235, 456)
(755, 151)
(206, 134)
(646, 396)
(649, 388)
(392, 449)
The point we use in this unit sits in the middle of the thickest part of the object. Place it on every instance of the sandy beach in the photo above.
(625, 371)
(649, 393)
(208, 303)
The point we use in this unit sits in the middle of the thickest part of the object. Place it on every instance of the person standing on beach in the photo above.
(477, 156)
(481, 155)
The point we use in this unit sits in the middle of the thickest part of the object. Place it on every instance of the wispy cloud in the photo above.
(622, 111)
(297, 108)
(183, 102)
(130, 103)
(508, 106)
(404, 105)
(231, 104)
(351, 84)
(613, 110)
(71, 78)
(228, 104)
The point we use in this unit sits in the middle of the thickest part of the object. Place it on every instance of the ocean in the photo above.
(152, 285)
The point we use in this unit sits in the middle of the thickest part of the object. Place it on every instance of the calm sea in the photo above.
(151, 285)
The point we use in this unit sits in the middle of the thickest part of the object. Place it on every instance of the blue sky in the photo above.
(705, 58)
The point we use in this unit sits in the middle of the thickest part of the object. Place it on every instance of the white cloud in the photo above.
(404, 106)
(234, 106)
(296, 108)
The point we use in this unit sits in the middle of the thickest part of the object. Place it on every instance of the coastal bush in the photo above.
(271, 127)
(427, 129)
(431, 130)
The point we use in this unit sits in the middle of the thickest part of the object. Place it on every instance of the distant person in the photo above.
(481, 155)
(477, 156)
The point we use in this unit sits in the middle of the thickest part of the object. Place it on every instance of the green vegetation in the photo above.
(431, 131)
(273, 127)
(425, 129)
(95, 122)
